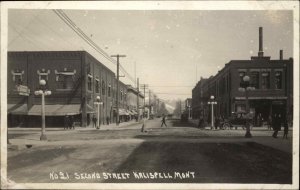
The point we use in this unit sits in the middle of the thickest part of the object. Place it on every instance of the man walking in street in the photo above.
(163, 121)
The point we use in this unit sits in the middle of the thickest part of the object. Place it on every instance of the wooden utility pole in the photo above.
(138, 100)
(118, 67)
(149, 103)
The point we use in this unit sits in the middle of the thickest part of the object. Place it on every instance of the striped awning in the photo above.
(56, 110)
(17, 109)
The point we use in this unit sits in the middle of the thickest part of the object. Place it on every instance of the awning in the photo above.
(134, 112)
(122, 111)
(17, 109)
(56, 110)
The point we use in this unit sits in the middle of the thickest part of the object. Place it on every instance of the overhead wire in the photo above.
(83, 36)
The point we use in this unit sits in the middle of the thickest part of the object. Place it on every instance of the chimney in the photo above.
(260, 52)
(281, 54)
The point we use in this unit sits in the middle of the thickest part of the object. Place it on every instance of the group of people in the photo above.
(276, 121)
(69, 122)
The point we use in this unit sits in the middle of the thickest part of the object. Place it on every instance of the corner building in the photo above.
(75, 79)
(272, 80)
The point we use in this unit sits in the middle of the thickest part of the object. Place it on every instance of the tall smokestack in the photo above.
(260, 52)
(281, 54)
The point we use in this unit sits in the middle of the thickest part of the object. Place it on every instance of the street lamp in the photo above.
(189, 111)
(43, 92)
(212, 102)
(98, 103)
(245, 87)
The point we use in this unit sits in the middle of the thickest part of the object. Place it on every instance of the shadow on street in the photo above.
(246, 162)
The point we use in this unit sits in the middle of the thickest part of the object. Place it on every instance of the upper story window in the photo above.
(254, 79)
(43, 75)
(109, 90)
(121, 95)
(265, 81)
(103, 87)
(17, 76)
(89, 82)
(278, 80)
(97, 85)
(241, 76)
(65, 79)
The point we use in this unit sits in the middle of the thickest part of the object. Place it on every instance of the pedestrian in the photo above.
(107, 120)
(71, 122)
(163, 121)
(276, 124)
(94, 119)
(286, 129)
(270, 123)
(66, 122)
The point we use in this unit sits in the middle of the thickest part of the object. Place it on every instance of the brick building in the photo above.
(272, 80)
(75, 79)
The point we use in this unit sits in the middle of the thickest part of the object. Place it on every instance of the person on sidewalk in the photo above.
(286, 129)
(107, 120)
(94, 119)
(71, 124)
(276, 124)
(66, 122)
(163, 121)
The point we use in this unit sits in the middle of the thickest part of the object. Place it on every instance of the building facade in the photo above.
(272, 92)
(75, 79)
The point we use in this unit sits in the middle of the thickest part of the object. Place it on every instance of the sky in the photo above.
(168, 50)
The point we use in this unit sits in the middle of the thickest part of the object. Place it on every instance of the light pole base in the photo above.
(248, 135)
(43, 137)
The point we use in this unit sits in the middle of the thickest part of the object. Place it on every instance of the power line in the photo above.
(63, 16)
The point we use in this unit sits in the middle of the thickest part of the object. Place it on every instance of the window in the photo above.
(265, 80)
(254, 79)
(103, 87)
(97, 86)
(121, 95)
(109, 90)
(240, 108)
(241, 75)
(278, 80)
(65, 79)
(65, 82)
(17, 76)
(89, 83)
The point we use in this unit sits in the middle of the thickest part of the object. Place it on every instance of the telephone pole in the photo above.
(149, 103)
(144, 86)
(118, 67)
(138, 100)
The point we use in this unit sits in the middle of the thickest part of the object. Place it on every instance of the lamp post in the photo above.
(43, 92)
(98, 103)
(245, 87)
(189, 111)
(212, 103)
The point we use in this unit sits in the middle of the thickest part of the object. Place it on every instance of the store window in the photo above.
(265, 82)
(278, 80)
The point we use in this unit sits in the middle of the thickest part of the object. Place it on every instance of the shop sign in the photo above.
(23, 90)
